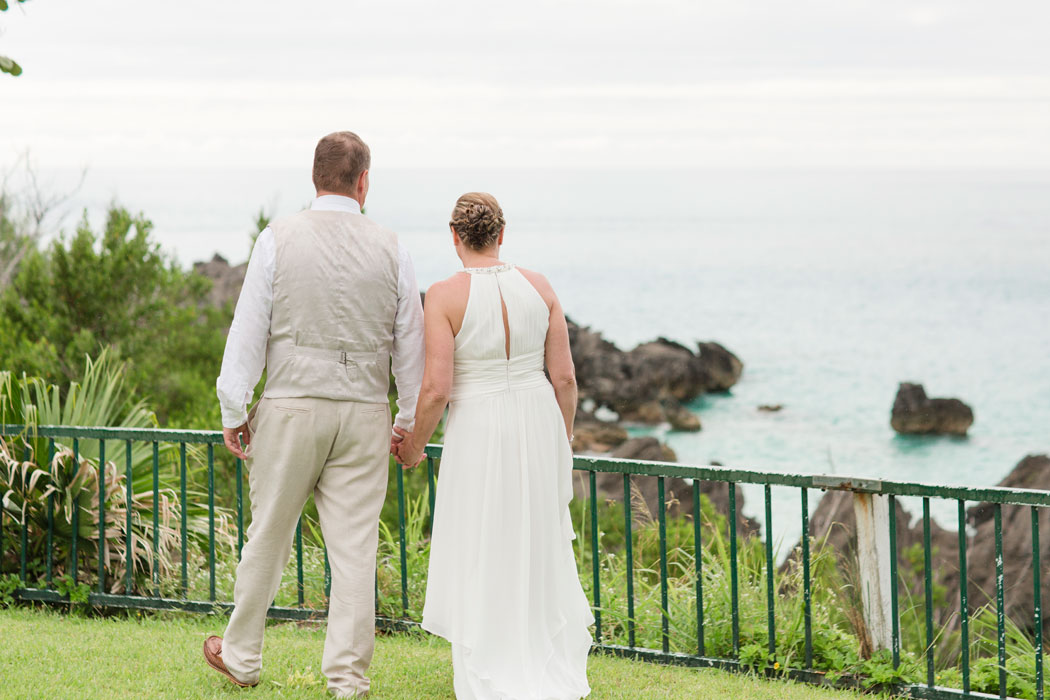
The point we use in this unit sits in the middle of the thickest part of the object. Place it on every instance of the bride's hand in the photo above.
(408, 454)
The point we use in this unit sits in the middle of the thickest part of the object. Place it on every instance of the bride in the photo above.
(503, 586)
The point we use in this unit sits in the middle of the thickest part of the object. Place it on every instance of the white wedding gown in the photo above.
(503, 585)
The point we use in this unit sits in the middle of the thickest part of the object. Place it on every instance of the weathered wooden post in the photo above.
(874, 553)
(874, 556)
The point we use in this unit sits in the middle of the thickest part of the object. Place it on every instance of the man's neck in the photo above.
(326, 193)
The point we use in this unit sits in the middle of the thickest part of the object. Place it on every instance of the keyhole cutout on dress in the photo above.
(506, 319)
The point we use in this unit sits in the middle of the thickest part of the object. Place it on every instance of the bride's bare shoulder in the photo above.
(448, 291)
(542, 285)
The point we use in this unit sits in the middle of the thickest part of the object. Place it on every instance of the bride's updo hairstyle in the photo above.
(477, 219)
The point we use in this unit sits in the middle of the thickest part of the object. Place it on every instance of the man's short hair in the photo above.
(339, 160)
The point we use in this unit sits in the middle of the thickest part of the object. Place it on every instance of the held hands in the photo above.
(403, 447)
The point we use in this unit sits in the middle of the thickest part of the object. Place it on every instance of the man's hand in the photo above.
(395, 439)
(233, 436)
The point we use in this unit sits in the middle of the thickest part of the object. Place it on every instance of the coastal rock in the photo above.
(914, 413)
(833, 522)
(668, 367)
(646, 449)
(651, 412)
(1032, 472)
(595, 436)
(226, 280)
(642, 384)
(720, 368)
(770, 407)
(681, 418)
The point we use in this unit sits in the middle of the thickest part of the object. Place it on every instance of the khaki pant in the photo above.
(338, 451)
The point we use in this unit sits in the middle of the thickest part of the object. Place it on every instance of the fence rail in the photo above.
(143, 531)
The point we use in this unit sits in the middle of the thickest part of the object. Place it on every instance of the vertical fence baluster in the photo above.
(964, 612)
(895, 630)
(50, 514)
(24, 545)
(665, 621)
(595, 558)
(1038, 604)
(211, 521)
(629, 554)
(927, 557)
(327, 575)
(401, 538)
(698, 558)
(129, 537)
(74, 563)
(1000, 604)
(156, 518)
(183, 508)
(239, 467)
(300, 589)
(2, 550)
(807, 591)
(101, 516)
(431, 489)
(771, 629)
(733, 583)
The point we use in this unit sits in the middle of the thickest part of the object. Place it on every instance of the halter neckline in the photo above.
(488, 270)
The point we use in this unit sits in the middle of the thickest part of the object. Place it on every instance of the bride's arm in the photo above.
(557, 354)
(437, 375)
(559, 365)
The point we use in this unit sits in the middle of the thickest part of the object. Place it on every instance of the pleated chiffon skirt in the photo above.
(503, 586)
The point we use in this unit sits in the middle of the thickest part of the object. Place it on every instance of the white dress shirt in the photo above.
(245, 355)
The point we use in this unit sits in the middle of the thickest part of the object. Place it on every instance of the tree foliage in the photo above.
(8, 65)
(116, 289)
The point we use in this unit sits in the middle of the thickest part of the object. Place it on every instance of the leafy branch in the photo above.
(8, 65)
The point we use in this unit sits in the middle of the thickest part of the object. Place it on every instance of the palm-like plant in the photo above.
(33, 472)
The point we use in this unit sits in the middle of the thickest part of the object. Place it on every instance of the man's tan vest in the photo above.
(334, 301)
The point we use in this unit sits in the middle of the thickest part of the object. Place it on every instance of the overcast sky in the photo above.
(603, 83)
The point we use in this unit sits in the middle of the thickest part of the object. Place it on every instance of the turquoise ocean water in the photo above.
(831, 286)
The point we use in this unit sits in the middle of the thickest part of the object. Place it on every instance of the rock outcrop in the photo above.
(834, 520)
(1032, 472)
(650, 383)
(226, 280)
(596, 437)
(915, 414)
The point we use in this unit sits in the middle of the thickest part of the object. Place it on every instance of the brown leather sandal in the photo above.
(213, 655)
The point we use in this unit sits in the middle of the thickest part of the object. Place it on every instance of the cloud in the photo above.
(655, 84)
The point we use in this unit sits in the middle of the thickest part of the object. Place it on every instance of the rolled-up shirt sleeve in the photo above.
(408, 355)
(245, 356)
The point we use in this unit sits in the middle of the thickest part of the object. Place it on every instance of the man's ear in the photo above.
(362, 186)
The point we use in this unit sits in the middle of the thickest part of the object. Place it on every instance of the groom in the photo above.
(329, 307)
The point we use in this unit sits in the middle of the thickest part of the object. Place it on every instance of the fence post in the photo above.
(875, 556)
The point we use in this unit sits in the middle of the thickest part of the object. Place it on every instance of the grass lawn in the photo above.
(51, 655)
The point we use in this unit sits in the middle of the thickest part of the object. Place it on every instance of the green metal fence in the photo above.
(14, 537)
